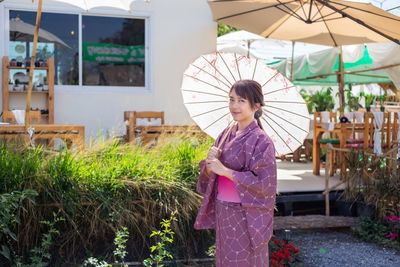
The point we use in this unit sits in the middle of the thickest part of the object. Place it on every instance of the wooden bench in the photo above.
(71, 134)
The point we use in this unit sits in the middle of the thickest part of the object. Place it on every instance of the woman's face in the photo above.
(240, 108)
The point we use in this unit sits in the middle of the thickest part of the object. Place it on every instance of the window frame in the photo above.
(67, 9)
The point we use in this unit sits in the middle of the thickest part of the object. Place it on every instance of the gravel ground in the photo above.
(337, 247)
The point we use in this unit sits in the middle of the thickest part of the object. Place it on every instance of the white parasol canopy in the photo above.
(205, 88)
(24, 32)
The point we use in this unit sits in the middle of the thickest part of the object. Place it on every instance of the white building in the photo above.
(167, 35)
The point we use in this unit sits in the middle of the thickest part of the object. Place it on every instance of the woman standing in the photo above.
(239, 183)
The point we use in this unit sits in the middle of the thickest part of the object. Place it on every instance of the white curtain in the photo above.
(378, 120)
(384, 54)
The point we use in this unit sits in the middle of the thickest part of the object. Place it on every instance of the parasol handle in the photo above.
(226, 135)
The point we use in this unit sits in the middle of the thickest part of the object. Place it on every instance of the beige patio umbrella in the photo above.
(85, 5)
(326, 22)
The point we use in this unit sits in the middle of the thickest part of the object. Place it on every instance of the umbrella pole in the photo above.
(291, 67)
(341, 82)
(32, 67)
(248, 48)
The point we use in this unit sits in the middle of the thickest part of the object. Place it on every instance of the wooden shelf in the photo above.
(49, 94)
(26, 68)
(24, 92)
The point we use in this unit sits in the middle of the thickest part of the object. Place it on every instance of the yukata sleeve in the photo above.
(204, 178)
(257, 185)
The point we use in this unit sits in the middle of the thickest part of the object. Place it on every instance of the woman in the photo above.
(239, 184)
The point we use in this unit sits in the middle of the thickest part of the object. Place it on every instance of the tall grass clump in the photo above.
(105, 187)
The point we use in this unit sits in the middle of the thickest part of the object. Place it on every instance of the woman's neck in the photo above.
(243, 124)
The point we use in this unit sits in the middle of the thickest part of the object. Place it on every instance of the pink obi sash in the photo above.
(227, 190)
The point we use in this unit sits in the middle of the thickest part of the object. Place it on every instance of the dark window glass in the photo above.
(58, 38)
(113, 51)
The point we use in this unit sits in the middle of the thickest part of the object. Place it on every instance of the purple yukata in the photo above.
(243, 229)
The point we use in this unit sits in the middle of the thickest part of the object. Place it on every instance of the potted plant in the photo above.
(353, 102)
(321, 100)
(368, 100)
(381, 99)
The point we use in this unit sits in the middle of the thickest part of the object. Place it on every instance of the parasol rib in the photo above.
(200, 92)
(271, 92)
(218, 71)
(214, 86)
(287, 111)
(269, 111)
(273, 76)
(204, 102)
(223, 60)
(291, 12)
(322, 19)
(277, 134)
(316, 14)
(237, 66)
(209, 111)
(302, 7)
(255, 68)
(215, 77)
(330, 14)
(359, 21)
(275, 26)
(216, 120)
(249, 11)
(284, 129)
(326, 25)
(359, 9)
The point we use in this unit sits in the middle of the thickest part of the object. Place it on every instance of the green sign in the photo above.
(109, 53)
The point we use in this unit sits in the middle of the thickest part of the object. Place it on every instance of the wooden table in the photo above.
(71, 134)
(343, 131)
(148, 133)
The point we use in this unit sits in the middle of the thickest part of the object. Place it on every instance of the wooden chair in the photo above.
(320, 129)
(143, 118)
(34, 117)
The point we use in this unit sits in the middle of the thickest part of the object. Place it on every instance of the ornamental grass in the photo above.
(105, 187)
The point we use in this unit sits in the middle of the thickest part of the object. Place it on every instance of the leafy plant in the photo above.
(382, 98)
(121, 237)
(41, 254)
(353, 102)
(10, 203)
(224, 29)
(370, 230)
(139, 185)
(165, 236)
(368, 98)
(321, 100)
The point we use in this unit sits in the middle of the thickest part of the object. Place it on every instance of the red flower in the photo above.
(393, 218)
(392, 235)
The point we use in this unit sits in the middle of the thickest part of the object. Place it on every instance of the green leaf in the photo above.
(5, 252)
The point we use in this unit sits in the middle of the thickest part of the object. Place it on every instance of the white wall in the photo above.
(180, 31)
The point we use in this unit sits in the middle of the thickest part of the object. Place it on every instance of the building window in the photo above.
(113, 51)
(58, 38)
